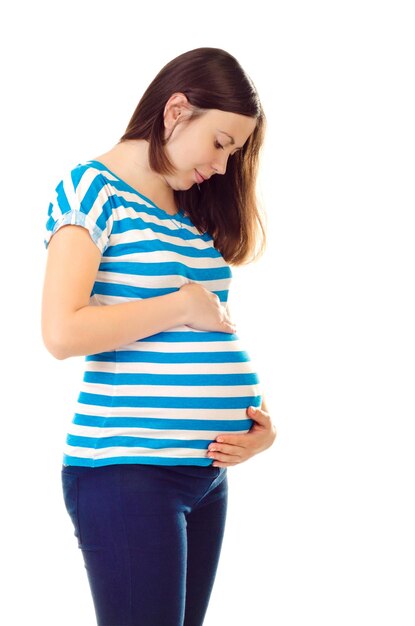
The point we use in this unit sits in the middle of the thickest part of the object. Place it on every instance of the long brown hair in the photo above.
(226, 206)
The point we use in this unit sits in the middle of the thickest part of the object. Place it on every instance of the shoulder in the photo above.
(85, 173)
(82, 187)
(81, 198)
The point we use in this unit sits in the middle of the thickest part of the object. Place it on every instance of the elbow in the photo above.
(55, 344)
(59, 354)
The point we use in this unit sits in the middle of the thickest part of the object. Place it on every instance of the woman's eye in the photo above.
(218, 145)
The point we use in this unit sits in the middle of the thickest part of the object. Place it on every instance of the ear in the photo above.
(177, 108)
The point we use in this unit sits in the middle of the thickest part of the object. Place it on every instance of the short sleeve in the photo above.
(81, 198)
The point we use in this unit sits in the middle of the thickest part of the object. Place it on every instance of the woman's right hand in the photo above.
(204, 310)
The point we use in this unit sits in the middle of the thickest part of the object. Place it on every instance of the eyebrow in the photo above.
(230, 137)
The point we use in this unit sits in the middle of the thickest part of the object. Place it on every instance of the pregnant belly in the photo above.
(166, 395)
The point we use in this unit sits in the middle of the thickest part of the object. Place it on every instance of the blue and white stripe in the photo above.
(160, 400)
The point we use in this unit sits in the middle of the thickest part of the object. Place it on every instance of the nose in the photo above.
(220, 165)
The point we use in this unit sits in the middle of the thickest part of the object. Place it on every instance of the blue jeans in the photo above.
(150, 537)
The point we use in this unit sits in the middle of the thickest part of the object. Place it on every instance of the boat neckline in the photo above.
(179, 215)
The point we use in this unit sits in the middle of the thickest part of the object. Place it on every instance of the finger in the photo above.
(217, 464)
(228, 327)
(258, 414)
(228, 457)
(216, 449)
(232, 440)
(226, 318)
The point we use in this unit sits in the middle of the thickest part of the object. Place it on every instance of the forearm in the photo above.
(93, 329)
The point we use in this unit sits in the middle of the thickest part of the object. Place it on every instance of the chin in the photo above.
(186, 187)
(183, 184)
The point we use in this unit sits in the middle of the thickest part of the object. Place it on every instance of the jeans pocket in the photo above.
(70, 496)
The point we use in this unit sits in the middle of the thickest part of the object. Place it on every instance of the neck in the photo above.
(129, 160)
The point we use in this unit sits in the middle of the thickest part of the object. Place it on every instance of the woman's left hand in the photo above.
(228, 450)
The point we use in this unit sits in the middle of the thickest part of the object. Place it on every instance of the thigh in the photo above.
(205, 531)
(133, 539)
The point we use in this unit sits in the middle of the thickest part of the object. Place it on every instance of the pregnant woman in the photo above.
(140, 241)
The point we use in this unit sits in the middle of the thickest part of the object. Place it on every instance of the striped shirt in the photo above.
(163, 399)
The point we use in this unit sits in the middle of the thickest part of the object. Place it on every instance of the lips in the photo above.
(199, 177)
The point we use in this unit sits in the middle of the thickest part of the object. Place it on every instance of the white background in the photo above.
(320, 527)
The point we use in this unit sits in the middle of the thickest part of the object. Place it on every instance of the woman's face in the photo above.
(205, 144)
